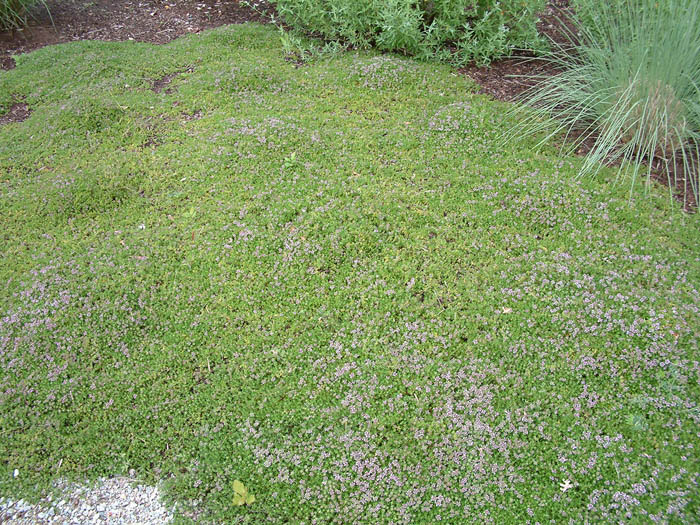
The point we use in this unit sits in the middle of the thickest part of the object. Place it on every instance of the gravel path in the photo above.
(112, 501)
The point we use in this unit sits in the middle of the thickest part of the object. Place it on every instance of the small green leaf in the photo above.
(238, 500)
(637, 422)
(250, 499)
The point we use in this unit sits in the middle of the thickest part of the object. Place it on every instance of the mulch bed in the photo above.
(160, 21)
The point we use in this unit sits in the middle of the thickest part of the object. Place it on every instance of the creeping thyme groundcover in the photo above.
(330, 294)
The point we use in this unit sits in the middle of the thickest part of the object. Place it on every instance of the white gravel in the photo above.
(114, 501)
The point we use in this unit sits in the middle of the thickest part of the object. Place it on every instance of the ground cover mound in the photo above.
(336, 288)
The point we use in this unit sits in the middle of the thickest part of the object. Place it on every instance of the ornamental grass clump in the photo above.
(14, 13)
(629, 81)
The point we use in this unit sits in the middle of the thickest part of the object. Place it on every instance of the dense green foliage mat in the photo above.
(336, 285)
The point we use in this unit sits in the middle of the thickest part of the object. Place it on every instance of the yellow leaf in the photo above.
(239, 488)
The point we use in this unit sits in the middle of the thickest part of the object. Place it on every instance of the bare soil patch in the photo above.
(19, 112)
(161, 85)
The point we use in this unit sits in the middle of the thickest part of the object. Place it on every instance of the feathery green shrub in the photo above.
(456, 31)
